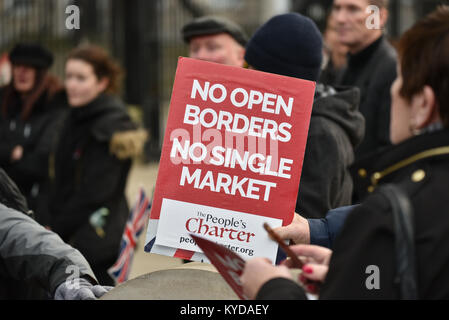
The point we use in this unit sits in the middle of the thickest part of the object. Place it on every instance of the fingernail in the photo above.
(308, 270)
(311, 287)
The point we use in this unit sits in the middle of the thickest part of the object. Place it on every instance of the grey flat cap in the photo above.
(208, 25)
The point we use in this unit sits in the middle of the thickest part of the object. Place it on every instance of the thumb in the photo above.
(99, 291)
(285, 233)
(84, 294)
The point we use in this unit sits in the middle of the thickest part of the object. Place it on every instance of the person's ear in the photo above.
(383, 17)
(424, 108)
(103, 84)
(241, 56)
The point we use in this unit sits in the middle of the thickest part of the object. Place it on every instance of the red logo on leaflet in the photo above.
(229, 264)
(227, 229)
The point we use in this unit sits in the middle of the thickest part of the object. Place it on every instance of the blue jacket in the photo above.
(324, 231)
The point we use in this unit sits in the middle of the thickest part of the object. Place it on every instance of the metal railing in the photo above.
(144, 36)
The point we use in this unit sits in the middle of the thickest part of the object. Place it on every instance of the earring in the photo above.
(414, 131)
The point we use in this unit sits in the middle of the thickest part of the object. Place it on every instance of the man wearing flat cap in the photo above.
(215, 39)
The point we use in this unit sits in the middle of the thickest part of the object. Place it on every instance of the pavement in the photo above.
(145, 175)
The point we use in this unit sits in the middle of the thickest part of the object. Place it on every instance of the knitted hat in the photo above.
(209, 25)
(288, 44)
(31, 54)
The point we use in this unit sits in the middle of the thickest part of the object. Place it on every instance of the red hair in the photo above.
(45, 83)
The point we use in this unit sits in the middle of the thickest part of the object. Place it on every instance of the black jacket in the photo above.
(373, 71)
(420, 166)
(336, 128)
(87, 178)
(35, 135)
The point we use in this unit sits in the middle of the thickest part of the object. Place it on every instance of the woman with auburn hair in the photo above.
(395, 244)
(30, 106)
(91, 160)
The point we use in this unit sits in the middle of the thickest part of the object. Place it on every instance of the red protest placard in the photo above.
(231, 159)
(229, 264)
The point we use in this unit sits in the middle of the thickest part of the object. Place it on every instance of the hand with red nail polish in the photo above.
(318, 262)
(307, 269)
(315, 272)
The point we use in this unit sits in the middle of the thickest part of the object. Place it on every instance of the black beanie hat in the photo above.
(208, 25)
(31, 54)
(287, 44)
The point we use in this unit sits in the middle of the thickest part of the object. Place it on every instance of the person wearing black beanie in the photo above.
(291, 45)
(29, 106)
(288, 44)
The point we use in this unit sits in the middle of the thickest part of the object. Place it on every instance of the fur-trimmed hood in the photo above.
(128, 144)
(112, 123)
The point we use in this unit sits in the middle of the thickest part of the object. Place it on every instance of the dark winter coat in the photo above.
(35, 135)
(373, 71)
(420, 166)
(336, 128)
(87, 203)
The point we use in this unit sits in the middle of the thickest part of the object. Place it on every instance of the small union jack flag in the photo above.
(134, 227)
